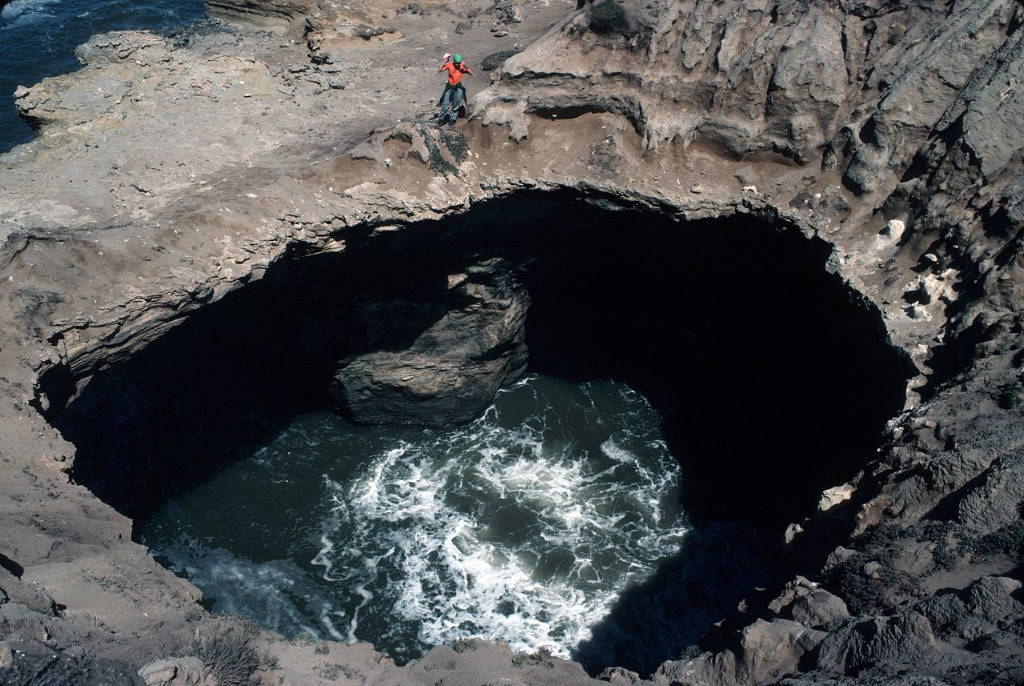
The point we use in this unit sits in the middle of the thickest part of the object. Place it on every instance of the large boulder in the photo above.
(451, 371)
(807, 603)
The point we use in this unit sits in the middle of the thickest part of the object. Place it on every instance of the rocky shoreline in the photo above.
(172, 172)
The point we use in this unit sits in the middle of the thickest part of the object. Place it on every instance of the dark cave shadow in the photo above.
(772, 379)
(718, 565)
(232, 376)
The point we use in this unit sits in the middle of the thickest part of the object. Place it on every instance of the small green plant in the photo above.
(331, 671)
(457, 145)
(228, 653)
(1008, 540)
(543, 655)
(946, 556)
(607, 16)
(461, 645)
(1008, 395)
(438, 163)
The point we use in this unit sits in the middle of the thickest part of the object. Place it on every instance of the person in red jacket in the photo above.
(454, 91)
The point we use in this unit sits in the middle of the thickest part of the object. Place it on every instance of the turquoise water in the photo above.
(38, 39)
(524, 526)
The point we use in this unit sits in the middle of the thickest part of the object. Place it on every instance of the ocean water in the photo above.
(524, 526)
(38, 39)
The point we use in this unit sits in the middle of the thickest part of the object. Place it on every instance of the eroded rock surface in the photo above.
(263, 12)
(889, 129)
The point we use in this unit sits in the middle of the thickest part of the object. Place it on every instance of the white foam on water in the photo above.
(525, 526)
(617, 453)
(274, 591)
(510, 534)
(353, 624)
(323, 558)
(21, 12)
(328, 623)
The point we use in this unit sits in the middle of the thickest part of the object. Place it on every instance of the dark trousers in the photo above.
(451, 100)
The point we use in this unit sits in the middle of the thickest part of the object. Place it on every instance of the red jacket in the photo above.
(455, 72)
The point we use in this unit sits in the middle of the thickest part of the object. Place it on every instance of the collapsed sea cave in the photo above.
(769, 377)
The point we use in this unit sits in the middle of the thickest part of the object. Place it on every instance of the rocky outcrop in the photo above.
(889, 130)
(152, 62)
(895, 118)
(807, 603)
(875, 99)
(273, 13)
(451, 371)
(331, 29)
(765, 652)
(14, 590)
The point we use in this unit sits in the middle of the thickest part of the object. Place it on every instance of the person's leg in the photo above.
(446, 105)
(456, 102)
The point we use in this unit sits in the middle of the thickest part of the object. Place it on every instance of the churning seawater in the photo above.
(38, 39)
(523, 526)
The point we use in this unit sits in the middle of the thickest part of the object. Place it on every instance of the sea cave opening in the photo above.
(723, 346)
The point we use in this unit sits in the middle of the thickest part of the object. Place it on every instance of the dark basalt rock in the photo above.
(495, 59)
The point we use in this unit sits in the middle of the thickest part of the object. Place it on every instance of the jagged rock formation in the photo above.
(889, 129)
(451, 371)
